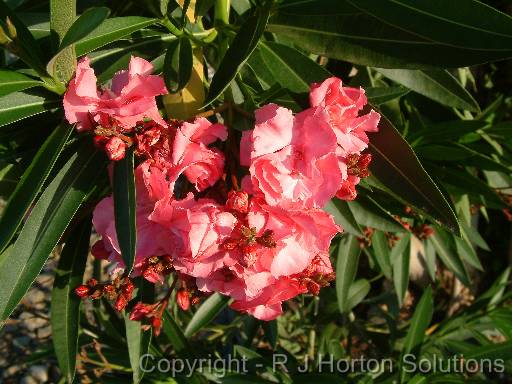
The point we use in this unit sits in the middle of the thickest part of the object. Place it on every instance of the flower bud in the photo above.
(183, 298)
(120, 303)
(82, 290)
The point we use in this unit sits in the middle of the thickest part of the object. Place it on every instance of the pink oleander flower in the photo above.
(292, 159)
(130, 99)
(272, 254)
(198, 229)
(203, 166)
(343, 106)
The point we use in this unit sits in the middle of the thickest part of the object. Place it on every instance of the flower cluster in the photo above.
(261, 244)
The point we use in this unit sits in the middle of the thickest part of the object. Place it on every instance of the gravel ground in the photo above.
(25, 340)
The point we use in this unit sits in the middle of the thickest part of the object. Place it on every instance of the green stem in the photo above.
(222, 11)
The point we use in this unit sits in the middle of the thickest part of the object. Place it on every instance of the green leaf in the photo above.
(45, 225)
(396, 166)
(419, 323)
(178, 64)
(491, 351)
(346, 269)
(123, 181)
(11, 81)
(84, 25)
(357, 292)
(400, 257)
(343, 216)
(291, 69)
(206, 313)
(381, 95)
(445, 250)
(382, 253)
(368, 213)
(62, 16)
(137, 339)
(438, 85)
(239, 51)
(65, 306)
(467, 253)
(29, 48)
(451, 130)
(341, 31)
(111, 30)
(20, 105)
(31, 182)
(176, 336)
(469, 23)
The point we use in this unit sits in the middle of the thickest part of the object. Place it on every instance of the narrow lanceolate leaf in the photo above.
(382, 253)
(206, 313)
(470, 24)
(357, 292)
(446, 251)
(62, 16)
(176, 336)
(111, 30)
(28, 187)
(291, 69)
(438, 85)
(341, 31)
(491, 351)
(29, 46)
(65, 308)
(11, 81)
(419, 323)
(178, 64)
(400, 257)
(343, 216)
(346, 269)
(46, 224)
(137, 339)
(85, 24)
(20, 105)
(381, 95)
(124, 208)
(396, 166)
(239, 51)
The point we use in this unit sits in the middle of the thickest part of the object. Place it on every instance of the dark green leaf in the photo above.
(45, 225)
(19, 105)
(446, 251)
(368, 213)
(451, 130)
(357, 292)
(62, 16)
(65, 306)
(11, 81)
(381, 95)
(419, 323)
(124, 208)
(491, 351)
(85, 24)
(31, 182)
(239, 51)
(343, 216)
(400, 257)
(206, 313)
(111, 30)
(290, 68)
(438, 85)
(346, 269)
(342, 32)
(397, 167)
(138, 340)
(470, 24)
(176, 336)
(178, 64)
(202, 7)
(382, 253)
